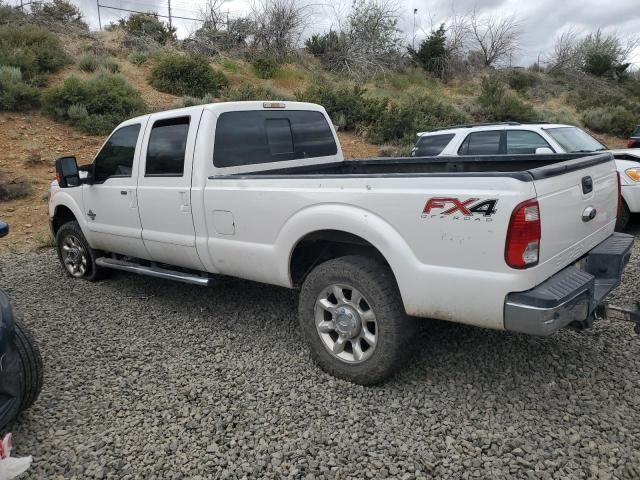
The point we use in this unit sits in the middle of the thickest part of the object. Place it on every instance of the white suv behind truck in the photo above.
(512, 138)
(259, 190)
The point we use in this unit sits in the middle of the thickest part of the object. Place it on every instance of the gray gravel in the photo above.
(152, 379)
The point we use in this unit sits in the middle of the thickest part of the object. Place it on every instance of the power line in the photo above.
(157, 14)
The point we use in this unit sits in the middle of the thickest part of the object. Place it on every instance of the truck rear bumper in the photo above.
(572, 294)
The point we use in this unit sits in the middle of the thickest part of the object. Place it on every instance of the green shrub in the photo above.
(614, 120)
(106, 98)
(348, 107)
(498, 104)
(147, 25)
(249, 92)
(330, 48)
(265, 67)
(522, 80)
(138, 57)
(401, 121)
(186, 75)
(90, 62)
(15, 94)
(12, 15)
(34, 50)
(58, 14)
(193, 101)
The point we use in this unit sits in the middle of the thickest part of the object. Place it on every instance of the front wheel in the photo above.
(353, 320)
(623, 218)
(75, 254)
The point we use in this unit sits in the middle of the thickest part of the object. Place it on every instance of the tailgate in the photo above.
(567, 193)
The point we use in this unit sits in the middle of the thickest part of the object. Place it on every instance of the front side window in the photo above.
(481, 143)
(432, 145)
(636, 132)
(524, 142)
(116, 157)
(260, 136)
(575, 140)
(167, 147)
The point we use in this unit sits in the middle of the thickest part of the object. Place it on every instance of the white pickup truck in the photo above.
(261, 191)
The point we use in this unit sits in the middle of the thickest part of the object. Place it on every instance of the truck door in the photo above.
(110, 204)
(164, 189)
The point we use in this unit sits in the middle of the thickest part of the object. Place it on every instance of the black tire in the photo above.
(393, 327)
(623, 218)
(72, 230)
(31, 367)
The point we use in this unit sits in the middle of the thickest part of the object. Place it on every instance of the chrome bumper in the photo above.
(572, 294)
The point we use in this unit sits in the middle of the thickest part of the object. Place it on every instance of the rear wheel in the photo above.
(353, 320)
(75, 254)
(623, 217)
(31, 367)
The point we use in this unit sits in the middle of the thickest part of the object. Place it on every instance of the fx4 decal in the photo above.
(457, 209)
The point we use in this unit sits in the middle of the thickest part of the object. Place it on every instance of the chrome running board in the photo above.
(157, 272)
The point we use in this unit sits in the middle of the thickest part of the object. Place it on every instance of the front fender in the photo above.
(62, 198)
(349, 219)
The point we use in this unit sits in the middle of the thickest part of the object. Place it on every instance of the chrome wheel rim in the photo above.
(74, 256)
(346, 323)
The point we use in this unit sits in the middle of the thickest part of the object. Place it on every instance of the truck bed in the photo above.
(521, 167)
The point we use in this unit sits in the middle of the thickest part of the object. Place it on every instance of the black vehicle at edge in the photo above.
(21, 370)
(634, 139)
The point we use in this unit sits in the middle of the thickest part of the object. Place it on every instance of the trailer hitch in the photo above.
(604, 310)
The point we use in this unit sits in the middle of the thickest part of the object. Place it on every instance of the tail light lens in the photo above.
(522, 249)
(631, 143)
(619, 194)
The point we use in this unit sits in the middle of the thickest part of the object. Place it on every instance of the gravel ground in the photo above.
(152, 379)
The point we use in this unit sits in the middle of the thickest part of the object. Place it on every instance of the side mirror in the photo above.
(67, 172)
(4, 229)
(543, 151)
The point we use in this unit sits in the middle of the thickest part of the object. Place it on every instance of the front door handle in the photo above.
(123, 192)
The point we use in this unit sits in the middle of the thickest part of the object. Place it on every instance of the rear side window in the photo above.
(481, 143)
(524, 142)
(116, 157)
(252, 137)
(167, 147)
(636, 132)
(432, 145)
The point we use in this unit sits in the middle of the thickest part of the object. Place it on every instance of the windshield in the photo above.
(573, 140)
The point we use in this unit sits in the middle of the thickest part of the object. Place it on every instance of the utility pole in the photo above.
(170, 25)
(99, 19)
(22, 6)
(413, 43)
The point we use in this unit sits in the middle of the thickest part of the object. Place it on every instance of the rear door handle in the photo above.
(184, 198)
(123, 192)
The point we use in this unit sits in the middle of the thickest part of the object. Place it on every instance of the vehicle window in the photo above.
(481, 143)
(246, 138)
(167, 147)
(524, 142)
(574, 140)
(432, 145)
(636, 132)
(116, 157)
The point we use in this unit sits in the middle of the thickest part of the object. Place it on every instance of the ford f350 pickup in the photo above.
(260, 191)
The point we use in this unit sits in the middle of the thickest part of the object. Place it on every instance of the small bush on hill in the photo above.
(36, 51)
(147, 26)
(249, 92)
(11, 15)
(401, 121)
(330, 48)
(90, 62)
(186, 75)
(264, 67)
(12, 188)
(498, 104)
(95, 105)
(15, 95)
(431, 54)
(193, 101)
(614, 120)
(348, 107)
(522, 80)
(138, 57)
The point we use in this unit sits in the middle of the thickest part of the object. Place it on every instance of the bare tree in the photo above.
(496, 38)
(212, 15)
(457, 35)
(565, 51)
(279, 24)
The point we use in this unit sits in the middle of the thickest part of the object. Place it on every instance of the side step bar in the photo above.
(157, 272)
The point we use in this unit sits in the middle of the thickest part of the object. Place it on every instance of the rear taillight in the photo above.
(522, 249)
(631, 143)
(619, 194)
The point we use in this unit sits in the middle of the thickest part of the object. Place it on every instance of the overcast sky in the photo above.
(542, 20)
